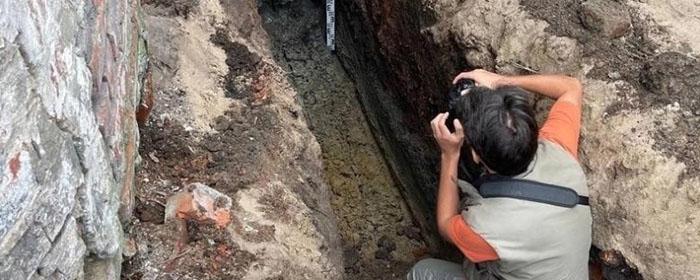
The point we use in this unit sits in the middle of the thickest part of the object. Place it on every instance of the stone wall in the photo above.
(640, 118)
(71, 76)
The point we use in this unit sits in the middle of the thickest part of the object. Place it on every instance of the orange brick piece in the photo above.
(199, 203)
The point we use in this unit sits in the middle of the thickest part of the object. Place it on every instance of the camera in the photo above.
(462, 87)
(468, 170)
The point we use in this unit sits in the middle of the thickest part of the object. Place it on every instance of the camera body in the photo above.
(468, 169)
(462, 87)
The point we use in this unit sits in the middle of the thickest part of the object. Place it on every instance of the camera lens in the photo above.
(463, 86)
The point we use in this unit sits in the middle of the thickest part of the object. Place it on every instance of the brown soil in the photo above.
(173, 157)
(233, 152)
(208, 255)
(229, 155)
(379, 238)
(239, 61)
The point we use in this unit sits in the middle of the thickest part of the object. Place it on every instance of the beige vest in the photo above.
(535, 240)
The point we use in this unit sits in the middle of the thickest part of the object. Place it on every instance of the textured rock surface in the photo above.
(636, 132)
(678, 17)
(70, 76)
(608, 17)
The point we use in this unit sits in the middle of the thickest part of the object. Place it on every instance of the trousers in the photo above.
(435, 269)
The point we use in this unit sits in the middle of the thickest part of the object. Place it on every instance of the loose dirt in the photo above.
(379, 238)
(217, 122)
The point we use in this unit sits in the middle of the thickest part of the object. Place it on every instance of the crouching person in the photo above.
(529, 216)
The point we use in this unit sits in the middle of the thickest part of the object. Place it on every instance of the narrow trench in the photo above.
(381, 238)
(380, 222)
(377, 229)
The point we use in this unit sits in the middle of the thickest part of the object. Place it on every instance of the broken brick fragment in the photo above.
(201, 204)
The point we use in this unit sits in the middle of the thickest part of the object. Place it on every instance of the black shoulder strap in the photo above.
(530, 191)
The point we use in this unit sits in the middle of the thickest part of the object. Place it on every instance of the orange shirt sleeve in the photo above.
(470, 243)
(563, 126)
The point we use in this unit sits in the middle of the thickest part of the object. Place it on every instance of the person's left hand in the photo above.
(450, 143)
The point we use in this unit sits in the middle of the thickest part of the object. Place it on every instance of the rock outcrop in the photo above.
(71, 76)
(640, 117)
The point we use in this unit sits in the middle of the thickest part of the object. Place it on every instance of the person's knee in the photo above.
(420, 270)
(434, 269)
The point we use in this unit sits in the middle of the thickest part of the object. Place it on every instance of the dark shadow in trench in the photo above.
(400, 129)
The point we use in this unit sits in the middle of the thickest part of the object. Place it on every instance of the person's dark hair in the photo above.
(500, 126)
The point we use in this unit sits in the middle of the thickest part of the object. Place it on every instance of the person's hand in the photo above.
(481, 77)
(450, 143)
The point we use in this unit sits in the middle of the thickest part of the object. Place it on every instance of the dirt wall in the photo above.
(228, 116)
(71, 75)
(638, 142)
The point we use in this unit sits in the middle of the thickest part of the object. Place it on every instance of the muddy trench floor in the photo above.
(377, 230)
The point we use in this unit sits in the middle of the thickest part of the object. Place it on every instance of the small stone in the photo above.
(385, 247)
(355, 237)
(410, 232)
(607, 17)
(386, 242)
(44, 271)
(152, 156)
(614, 75)
(130, 248)
(142, 248)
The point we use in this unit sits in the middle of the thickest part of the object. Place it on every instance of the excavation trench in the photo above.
(225, 74)
(382, 228)
(372, 100)
(231, 77)
(266, 156)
